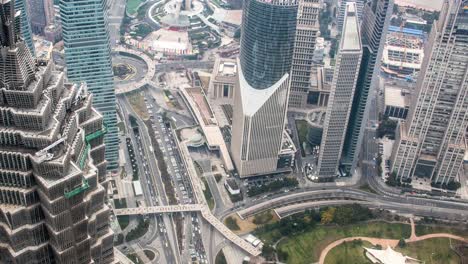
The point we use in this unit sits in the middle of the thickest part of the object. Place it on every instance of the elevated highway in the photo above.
(419, 206)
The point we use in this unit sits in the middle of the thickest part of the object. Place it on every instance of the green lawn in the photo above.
(426, 229)
(349, 253)
(138, 231)
(134, 258)
(132, 6)
(435, 250)
(220, 258)
(123, 221)
(120, 203)
(302, 132)
(306, 247)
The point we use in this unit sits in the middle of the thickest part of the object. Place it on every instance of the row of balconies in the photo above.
(29, 97)
(12, 178)
(31, 255)
(25, 216)
(18, 196)
(30, 236)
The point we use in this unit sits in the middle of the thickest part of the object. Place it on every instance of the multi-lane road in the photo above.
(150, 179)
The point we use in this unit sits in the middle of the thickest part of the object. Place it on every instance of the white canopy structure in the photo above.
(388, 256)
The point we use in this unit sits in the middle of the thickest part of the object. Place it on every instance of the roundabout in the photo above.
(143, 65)
(124, 71)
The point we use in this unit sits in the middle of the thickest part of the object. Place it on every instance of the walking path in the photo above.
(388, 242)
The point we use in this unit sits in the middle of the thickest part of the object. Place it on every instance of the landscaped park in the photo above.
(339, 234)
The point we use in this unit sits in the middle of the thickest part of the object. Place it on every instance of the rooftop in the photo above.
(388, 256)
(409, 31)
(396, 96)
(202, 105)
(351, 39)
(227, 68)
(43, 49)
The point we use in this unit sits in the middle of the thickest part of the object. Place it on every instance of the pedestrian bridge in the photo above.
(206, 214)
(159, 209)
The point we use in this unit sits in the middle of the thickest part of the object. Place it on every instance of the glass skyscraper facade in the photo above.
(260, 103)
(88, 59)
(267, 40)
(20, 5)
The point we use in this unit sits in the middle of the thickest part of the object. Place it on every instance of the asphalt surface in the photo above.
(151, 184)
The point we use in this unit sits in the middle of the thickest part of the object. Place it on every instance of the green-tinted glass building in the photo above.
(88, 59)
(20, 5)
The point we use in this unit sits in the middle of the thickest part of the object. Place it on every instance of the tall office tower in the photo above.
(307, 29)
(341, 94)
(20, 5)
(43, 15)
(260, 105)
(52, 206)
(431, 144)
(375, 20)
(87, 56)
(342, 11)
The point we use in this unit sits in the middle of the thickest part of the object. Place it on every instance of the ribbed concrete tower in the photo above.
(52, 206)
(375, 19)
(307, 29)
(341, 95)
(432, 143)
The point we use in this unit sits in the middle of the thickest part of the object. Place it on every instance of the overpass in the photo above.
(303, 200)
(206, 214)
(126, 88)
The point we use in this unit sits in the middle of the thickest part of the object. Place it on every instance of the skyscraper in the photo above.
(20, 5)
(52, 206)
(307, 29)
(43, 15)
(431, 144)
(341, 95)
(342, 10)
(375, 20)
(87, 56)
(260, 105)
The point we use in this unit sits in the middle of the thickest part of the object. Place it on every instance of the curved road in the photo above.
(420, 206)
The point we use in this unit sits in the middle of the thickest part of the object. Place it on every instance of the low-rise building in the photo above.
(397, 102)
(231, 186)
(223, 80)
(43, 49)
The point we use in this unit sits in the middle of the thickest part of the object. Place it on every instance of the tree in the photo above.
(453, 185)
(387, 128)
(282, 255)
(402, 243)
(268, 251)
(328, 215)
(392, 180)
(231, 223)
